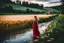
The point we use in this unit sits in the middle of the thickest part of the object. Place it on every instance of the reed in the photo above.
(55, 31)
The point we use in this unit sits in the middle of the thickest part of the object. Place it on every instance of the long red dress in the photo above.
(35, 30)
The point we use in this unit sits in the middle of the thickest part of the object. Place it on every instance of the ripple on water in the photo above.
(25, 37)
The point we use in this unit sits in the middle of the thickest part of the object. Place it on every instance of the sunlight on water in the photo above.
(26, 37)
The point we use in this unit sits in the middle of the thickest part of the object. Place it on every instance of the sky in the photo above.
(46, 3)
(40, 0)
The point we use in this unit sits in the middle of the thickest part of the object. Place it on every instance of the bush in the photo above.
(57, 27)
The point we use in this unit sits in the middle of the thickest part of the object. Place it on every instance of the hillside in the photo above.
(23, 8)
(56, 7)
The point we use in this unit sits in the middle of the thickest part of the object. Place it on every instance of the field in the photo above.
(20, 22)
(22, 17)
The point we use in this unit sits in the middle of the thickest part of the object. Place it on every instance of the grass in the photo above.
(23, 8)
(51, 9)
(55, 31)
(19, 7)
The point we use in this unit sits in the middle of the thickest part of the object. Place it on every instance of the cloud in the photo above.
(38, 0)
(45, 0)
(62, 0)
(46, 3)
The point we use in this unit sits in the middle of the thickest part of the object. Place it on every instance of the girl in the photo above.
(36, 32)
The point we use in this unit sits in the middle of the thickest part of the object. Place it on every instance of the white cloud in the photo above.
(44, 2)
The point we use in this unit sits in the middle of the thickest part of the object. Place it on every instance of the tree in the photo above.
(62, 7)
(27, 10)
(41, 6)
(8, 9)
(18, 2)
(26, 4)
(23, 3)
(5, 0)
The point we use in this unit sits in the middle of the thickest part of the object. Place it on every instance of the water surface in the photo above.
(25, 37)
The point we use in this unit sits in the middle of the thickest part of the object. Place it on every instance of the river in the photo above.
(27, 36)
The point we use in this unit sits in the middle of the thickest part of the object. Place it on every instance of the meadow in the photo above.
(23, 8)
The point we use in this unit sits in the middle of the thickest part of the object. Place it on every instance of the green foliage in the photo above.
(56, 30)
(17, 7)
(46, 19)
(32, 5)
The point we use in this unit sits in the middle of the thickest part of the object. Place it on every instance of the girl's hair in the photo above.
(35, 18)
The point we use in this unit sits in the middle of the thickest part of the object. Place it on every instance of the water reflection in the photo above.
(21, 38)
(25, 37)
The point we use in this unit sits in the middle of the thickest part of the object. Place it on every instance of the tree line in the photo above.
(33, 5)
(25, 3)
(62, 7)
(9, 9)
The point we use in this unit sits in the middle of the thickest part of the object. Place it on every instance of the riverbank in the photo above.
(55, 31)
(8, 27)
(42, 33)
(22, 37)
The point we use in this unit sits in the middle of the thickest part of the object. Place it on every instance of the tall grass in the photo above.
(55, 30)
(14, 25)
(9, 26)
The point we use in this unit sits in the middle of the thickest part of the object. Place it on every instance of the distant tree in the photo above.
(36, 5)
(27, 10)
(26, 4)
(5, 1)
(8, 9)
(31, 11)
(41, 6)
(8, 0)
(23, 3)
(32, 5)
(18, 2)
(13, 2)
(62, 6)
